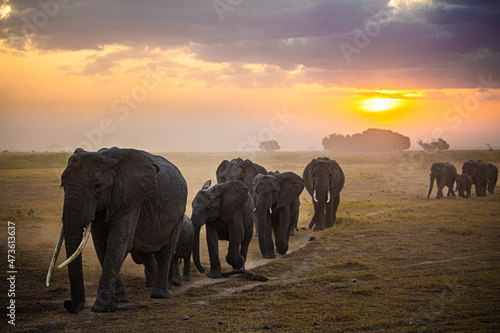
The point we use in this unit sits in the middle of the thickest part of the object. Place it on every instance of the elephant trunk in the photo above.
(431, 184)
(265, 238)
(197, 224)
(75, 219)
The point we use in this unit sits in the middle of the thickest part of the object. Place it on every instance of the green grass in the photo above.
(394, 262)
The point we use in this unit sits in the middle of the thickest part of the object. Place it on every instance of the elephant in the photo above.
(242, 170)
(478, 170)
(324, 179)
(277, 208)
(464, 184)
(492, 177)
(227, 211)
(131, 201)
(183, 253)
(444, 173)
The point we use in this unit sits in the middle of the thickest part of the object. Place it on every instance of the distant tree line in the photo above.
(438, 144)
(269, 145)
(371, 140)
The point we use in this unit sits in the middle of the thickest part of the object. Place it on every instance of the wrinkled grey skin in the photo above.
(478, 170)
(444, 173)
(136, 203)
(277, 209)
(492, 177)
(227, 211)
(464, 185)
(325, 176)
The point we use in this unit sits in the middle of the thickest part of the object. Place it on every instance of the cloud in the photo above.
(430, 44)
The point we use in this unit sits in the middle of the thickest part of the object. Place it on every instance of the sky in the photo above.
(224, 75)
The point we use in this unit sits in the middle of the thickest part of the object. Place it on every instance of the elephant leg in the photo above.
(186, 272)
(174, 274)
(450, 191)
(149, 262)
(236, 235)
(281, 229)
(164, 259)
(213, 252)
(318, 220)
(440, 186)
(119, 242)
(246, 243)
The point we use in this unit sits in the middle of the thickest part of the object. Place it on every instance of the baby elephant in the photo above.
(182, 252)
(227, 211)
(464, 184)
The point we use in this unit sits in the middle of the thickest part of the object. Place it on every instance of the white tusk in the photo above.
(55, 255)
(79, 250)
(328, 197)
(314, 196)
(270, 210)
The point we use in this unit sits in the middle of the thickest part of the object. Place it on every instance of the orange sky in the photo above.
(188, 98)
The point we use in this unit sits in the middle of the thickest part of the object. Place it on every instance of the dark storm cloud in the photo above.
(443, 44)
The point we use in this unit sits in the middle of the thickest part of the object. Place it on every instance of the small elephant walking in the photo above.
(492, 177)
(183, 253)
(277, 209)
(464, 185)
(445, 174)
(227, 211)
(324, 179)
(131, 201)
(478, 170)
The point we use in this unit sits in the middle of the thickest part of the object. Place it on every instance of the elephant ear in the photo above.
(233, 195)
(252, 170)
(135, 181)
(255, 181)
(207, 184)
(308, 176)
(291, 187)
(221, 171)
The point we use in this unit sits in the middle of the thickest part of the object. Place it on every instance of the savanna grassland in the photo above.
(394, 262)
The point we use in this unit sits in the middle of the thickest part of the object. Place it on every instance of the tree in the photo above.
(373, 139)
(269, 145)
(438, 145)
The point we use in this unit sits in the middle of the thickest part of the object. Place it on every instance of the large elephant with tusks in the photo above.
(324, 179)
(131, 201)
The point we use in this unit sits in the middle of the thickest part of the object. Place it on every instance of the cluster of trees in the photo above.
(438, 144)
(270, 145)
(371, 140)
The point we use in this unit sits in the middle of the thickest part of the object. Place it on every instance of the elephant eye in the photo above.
(97, 185)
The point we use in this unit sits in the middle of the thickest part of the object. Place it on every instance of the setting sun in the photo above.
(380, 104)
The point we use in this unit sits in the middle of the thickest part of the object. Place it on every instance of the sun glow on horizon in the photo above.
(380, 104)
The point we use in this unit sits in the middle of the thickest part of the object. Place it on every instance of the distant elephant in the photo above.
(227, 211)
(492, 177)
(324, 179)
(131, 201)
(277, 209)
(478, 170)
(444, 173)
(464, 184)
(183, 253)
(242, 170)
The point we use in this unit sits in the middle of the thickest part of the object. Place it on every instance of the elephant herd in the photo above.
(134, 202)
(482, 175)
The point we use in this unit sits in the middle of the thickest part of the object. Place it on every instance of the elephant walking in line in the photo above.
(227, 211)
(242, 170)
(277, 209)
(445, 174)
(492, 177)
(131, 201)
(183, 253)
(324, 179)
(478, 170)
(464, 184)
